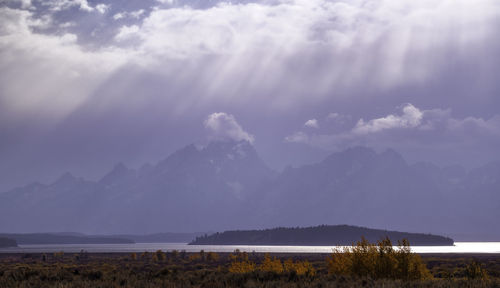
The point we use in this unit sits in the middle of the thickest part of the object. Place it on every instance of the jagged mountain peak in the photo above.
(65, 179)
(361, 156)
(391, 153)
(228, 145)
(215, 152)
(222, 148)
(120, 167)
(356, 153)
(119, 173)
(392, 158)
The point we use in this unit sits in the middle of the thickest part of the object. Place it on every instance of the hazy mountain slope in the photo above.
(67, 202)
(225, 185)
(191, 189)
(359, 186)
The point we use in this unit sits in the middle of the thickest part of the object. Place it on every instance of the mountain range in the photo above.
(226, 185)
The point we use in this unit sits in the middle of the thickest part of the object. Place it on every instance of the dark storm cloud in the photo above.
(85, 84)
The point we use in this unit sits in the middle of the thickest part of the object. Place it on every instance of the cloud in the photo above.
(398, 34)
(61, 74)
(102, 8)
(338, 118)
(119, 16)
(411, 118)
(472, 125)
(413, 128)
(333, 115)
(312, 123)
(224, 126)
(276, 62)
(315, 46)
(126, 32)
(297, 137)
(170, 2)
(26, 4)
(60, 5)
(137, 14)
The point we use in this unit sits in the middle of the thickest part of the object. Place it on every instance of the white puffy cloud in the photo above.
(312, 123)
(59, 5)
(60, 73)
(415, 128)
(398, 34)
(224, 126)
(137, 14)
(102, 8)
(133, 14)
(119, 16)
(126, 32)
(411, 118)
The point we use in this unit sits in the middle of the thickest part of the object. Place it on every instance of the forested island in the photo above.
(6, 242)
(324, 235)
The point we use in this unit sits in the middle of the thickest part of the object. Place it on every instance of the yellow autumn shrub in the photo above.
(271, 265)
(299, 267)
(378, 261)
(241, 267)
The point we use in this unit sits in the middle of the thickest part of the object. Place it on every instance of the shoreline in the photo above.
(461, 248)
(258, 254)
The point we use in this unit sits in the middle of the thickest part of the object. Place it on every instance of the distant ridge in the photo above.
(162, 237)
(64, 238)
(323, 235)
(7, 242)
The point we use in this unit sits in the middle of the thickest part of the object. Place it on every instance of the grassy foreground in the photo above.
(180, 269)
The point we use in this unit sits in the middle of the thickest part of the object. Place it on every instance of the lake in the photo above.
(459, 247)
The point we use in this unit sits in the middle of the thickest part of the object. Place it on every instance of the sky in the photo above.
(87, 84)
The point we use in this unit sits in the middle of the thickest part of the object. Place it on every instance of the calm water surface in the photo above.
(459, 247)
